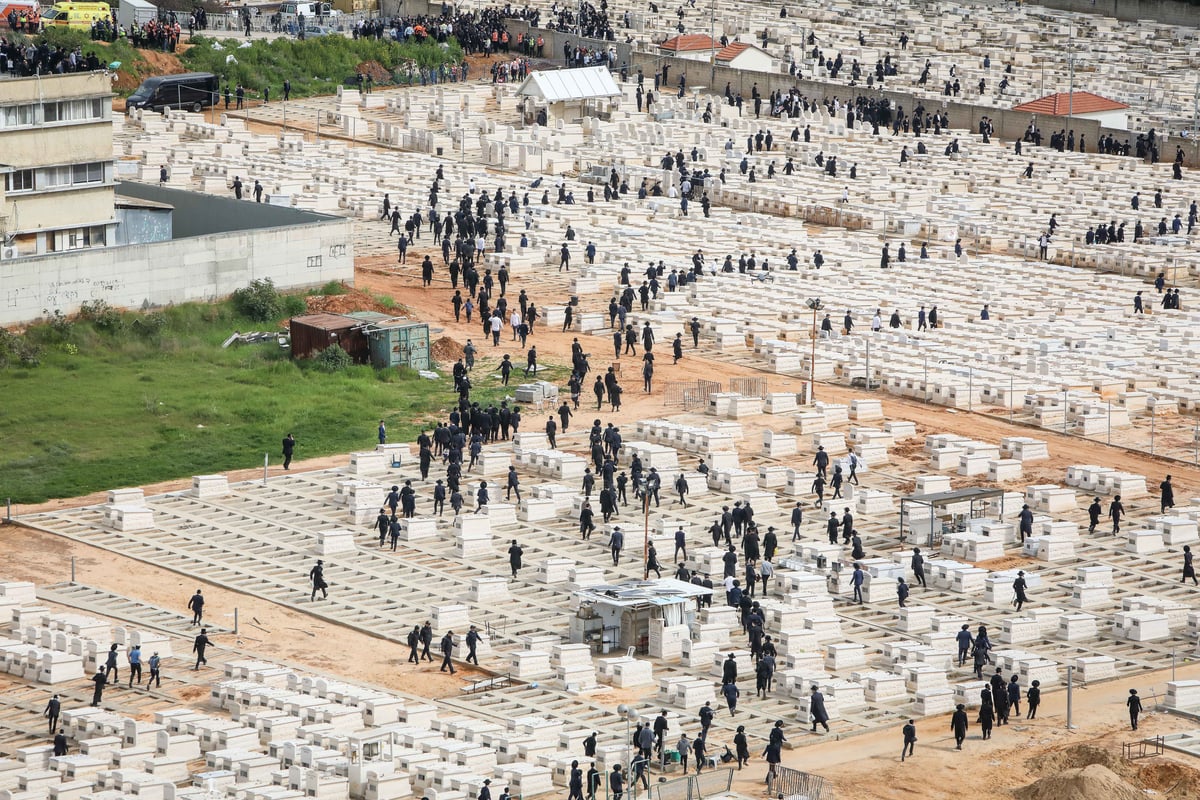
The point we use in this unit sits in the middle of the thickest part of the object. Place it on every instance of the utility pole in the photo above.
(1195, 119)
(712, 42)
(1071, 69)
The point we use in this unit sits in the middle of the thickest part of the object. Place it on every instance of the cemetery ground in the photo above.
(864, 766)
(125, 399)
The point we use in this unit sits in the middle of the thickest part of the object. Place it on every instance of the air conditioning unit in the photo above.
(7, 252)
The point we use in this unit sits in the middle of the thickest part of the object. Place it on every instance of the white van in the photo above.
(314, 13)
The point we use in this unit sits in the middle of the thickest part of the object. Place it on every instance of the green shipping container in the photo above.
(400, 345)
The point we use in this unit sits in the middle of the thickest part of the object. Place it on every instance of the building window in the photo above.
(88, 173)
(79, 238)
(17, 116)
(73, 110)
(19, 181)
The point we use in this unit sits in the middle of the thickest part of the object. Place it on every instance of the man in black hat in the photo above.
(317, 576)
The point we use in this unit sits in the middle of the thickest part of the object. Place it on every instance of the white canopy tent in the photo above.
(568, 94)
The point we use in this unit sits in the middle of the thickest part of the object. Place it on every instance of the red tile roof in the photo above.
(1076, 102)
(732, 51)
(690, 42)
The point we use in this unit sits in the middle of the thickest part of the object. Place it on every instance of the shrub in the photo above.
(18, 351)
(102, 315)
(332, 288)
(56, 329)
(333, 359)
(294, 305)
(150, 324)
(259, 301)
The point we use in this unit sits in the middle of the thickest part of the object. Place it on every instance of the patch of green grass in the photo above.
(314, 66)
(136, 403)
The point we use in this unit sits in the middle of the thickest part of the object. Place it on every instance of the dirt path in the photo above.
(433, 305)
(271, 630)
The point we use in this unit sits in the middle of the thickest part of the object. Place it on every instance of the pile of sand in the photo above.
(1077, 757)
(1093, 782)
(445, 350)
(351, 300)
(1170, 779)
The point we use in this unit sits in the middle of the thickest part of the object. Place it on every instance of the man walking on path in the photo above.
(52, 711)
(910, 740)
(1134, 703)
(958, 725)
(198, 646)
(98, 693)
(196, 606)
(447, 650)
(317, 576)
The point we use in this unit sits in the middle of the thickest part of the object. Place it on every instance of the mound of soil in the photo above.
(377, 72)
(352, 300)
(1170, 779)
(1077, 757)
(1093, 782)
(445, 350)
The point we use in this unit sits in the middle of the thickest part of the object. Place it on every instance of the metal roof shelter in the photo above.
(568, 94)
(583, 83)
(948, 512)
(630, 613)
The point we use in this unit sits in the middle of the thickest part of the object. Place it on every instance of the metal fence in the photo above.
(749, 387)
(794, 783)
(693, 787)
(690, 394)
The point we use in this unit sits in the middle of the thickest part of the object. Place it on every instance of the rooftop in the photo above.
(690, 42)
(1062, 103)
(732, 51)
(555, 86)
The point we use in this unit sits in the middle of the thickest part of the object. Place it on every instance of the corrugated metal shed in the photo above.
(397, 342)
(312, 333)
(565, 85)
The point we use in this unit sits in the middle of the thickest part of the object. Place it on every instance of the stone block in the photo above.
(335, 541)
(533, 509)
(210, 487)
(414, 529)
(863, 410)
(371, 462)
(780, 403)
(128, 517)
(554, 570)
(472, 523)
(1096, 668)
(1144, 542)
(1077, 627)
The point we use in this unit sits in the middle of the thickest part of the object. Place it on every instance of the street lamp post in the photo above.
(815, 304)
(627, 713)
(645, 530)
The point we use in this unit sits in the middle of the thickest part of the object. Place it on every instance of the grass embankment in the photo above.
(121, 399)
(314, 66)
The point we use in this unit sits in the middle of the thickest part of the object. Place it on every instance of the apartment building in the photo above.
(56, 157)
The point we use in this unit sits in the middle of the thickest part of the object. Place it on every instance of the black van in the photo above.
(191, 90)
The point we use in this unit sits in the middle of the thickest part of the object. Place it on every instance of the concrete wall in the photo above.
(201, 268)
(1008, 124)
(1172, 12)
